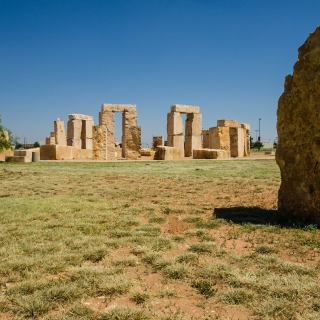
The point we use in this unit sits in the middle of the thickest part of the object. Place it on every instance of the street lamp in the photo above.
(256, 134)
(259, 130)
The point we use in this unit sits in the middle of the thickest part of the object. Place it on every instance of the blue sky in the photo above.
(229, 58)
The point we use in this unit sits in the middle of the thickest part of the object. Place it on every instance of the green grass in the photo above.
(74, 234)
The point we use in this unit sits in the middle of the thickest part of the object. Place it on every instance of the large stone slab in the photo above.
(246, 127)
(76, 143)
(298, 151)
(194, 124)
(25, 152)
(237, 142)
(74, 128)
(86, 131)
(228, 123)
(174, 124)
(206, 140)
(50, 140)
(56, 152)
(6, 153)
(219, 138)
(79, 117)
(99, 143)
(118, 107)
(157, 141)
(210, 154)
(192, 142)
(133, 143)
(185, 109)
(167, 153)
(18, 159)
(176, 142)
(60, 133)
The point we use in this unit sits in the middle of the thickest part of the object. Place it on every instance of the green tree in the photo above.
(36, 145)
(4, 142)
(258, 145)
(251, 142)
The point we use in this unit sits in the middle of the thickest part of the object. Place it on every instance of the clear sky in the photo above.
(228, 57)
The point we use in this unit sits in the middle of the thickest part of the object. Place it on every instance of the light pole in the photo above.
(259, 130)
(256, 134)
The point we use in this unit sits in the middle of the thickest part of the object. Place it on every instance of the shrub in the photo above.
(205, 288)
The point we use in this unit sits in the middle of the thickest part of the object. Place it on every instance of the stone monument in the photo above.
(298, 151)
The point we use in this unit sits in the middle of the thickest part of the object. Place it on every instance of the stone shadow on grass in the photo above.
(256, 215)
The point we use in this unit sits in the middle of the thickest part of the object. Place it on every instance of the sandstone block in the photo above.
(174, 124)
(246, 127)
(194, 124)
(177, 142)
(118, 107)
(192, 142)
(26, 152)
(228, 123)
(86, 131)
(80, 117)
(52, 135)
(237, 142)
(219, 138)
(56, 152)
(86, 144)
(133, 143)
(76, 143)
(157, 141)
(99, 142)
(50, 140)
(210, 154)
(167, 153)
(60, 133)
(184, 109)
(147, 152)
(206, 140)
(18, 159)
(74, 128)
(298, 151)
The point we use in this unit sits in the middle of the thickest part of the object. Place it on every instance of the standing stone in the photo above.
(157, 142)
(176, 141)
(174, 124)
(206, 140)
(298, 151)
(246, 127)
(60, 133)
(237, 142)
(219, 138)
(99, 143)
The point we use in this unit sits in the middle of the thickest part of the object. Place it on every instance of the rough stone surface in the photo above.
(18, 159)
(74, 128)
(194, 125)
(118, 107)
(205, 140)
(60, 133)
(210, 154)
(167, 153)
(80, 117)
(76, 143)
(174, 124)
(246, 127)
(298, 151)
(176, 142)
(86, 131)
(133, 143)
(26, 152)
(50, 140)
(192, 142)
(99, 143)
(219, 138)
(86, 144)
(237, 142)
(228, 123)
(55, 152)
(147, 152)
(157, 142)
(184, 109)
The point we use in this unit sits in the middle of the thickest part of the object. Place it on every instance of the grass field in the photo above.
(153, 240)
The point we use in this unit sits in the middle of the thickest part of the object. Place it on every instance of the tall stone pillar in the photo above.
(60, 133)
(193, 133)
(205, 141)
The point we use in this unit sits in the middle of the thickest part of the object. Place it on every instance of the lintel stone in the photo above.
(118, 107)
(184, 109)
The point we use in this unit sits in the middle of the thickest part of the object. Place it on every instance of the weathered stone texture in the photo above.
(80, 117)
(99, 143)
(50, 140)
(205, 140)
(56, 152)
(76, 143)
(246, 127)
(167, 153)
(133, 143)
(298, 151)
(219, 138)
(237, 142)
(74, 128)
(192, 142)
(176, 142)
(194, 125)
(18, 159)
(174, 124)
(210, 154)
(118, 107)
(60, 133)
(6, 153)
(157, 142)
(184, 109)
(228, 123)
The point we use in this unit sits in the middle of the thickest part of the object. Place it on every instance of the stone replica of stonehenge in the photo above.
(298, 152)
(84, 140)
(229, 138)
